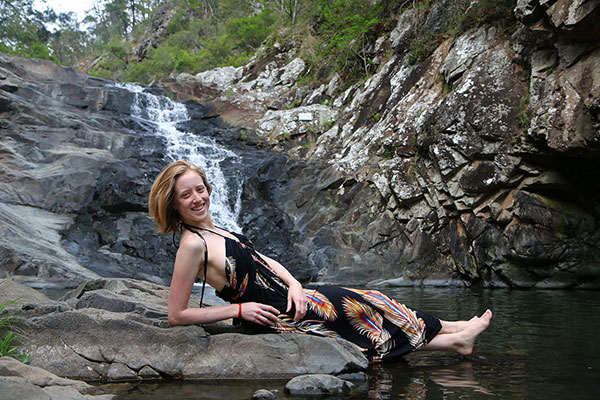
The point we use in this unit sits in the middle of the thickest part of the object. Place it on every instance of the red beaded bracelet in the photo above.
(240, 311)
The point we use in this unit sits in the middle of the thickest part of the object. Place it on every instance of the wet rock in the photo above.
(263, 394)
(60, 177)
(317, 384)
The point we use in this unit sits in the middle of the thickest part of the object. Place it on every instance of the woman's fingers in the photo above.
(297, 297)
(301, 305)
(300, 310)
(262, 314)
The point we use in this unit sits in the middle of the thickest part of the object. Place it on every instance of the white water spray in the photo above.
(165, 114)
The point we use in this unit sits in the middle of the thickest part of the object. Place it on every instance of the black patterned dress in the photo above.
(380, 326)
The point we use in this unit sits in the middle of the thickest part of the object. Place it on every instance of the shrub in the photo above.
(8, 338)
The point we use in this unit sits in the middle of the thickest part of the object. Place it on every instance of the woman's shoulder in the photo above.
(192, 243)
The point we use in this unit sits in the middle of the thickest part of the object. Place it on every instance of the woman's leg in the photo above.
(459, 341)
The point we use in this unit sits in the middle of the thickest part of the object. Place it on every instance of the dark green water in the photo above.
(540, 345)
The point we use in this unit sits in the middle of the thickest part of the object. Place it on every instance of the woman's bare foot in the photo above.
(457, 326)
(467, 336)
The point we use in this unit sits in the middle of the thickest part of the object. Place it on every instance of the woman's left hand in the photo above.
(297, 298)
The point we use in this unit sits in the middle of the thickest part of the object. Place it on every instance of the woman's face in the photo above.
(191, 198)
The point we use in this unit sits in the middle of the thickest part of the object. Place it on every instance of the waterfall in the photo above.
(165, 114)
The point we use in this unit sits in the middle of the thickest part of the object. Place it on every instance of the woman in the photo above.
(263, 292)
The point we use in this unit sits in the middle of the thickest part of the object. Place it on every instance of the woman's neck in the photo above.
(206, 224)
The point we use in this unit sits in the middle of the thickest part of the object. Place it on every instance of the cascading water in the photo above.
(165, 114)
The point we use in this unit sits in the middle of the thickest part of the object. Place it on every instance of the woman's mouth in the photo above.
(198, 208)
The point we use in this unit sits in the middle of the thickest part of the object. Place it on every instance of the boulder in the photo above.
(263, 394)
(20, 381)
(14, 291)
(117, 330)
(318, 384)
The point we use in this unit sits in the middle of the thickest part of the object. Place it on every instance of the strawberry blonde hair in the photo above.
(161, 201)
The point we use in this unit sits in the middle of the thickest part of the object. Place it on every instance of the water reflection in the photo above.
(458, 376)
(405, 382)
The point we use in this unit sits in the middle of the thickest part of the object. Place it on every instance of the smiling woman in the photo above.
(265, 295)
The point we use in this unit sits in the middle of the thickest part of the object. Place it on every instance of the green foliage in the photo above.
(331, 35)
(522, 111)
(249, 32)
(345, 29)
(8, 338)
(203, 35)
(161, 62)
(22, 30)
(114, 60)
(389, 152)
(422, 46)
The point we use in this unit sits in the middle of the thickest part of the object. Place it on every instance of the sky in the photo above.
(77, 6)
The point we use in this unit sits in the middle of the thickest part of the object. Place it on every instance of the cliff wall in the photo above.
(476, 164)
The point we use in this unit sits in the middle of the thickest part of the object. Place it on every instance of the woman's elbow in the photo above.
(174, 320)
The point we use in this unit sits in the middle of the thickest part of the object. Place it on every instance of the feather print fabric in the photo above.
(399, 314)
(321, 305)
(368, 322)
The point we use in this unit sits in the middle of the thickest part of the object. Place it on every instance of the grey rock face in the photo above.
(77, 172)
(68, 176)
(474, 166)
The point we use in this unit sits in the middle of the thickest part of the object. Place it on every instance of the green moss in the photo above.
(522, 111)
(389, 152)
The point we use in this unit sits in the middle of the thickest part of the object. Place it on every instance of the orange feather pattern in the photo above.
(321, 305)
(398, 314)
(368, 322)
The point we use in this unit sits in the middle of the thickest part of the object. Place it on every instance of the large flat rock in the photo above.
(117, 329)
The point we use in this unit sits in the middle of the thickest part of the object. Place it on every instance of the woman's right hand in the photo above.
(262, 314)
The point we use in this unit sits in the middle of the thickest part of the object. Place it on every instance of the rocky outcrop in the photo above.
(77, 165)
(475, 165)
(20, 381)
(117, 330)
(74, 178)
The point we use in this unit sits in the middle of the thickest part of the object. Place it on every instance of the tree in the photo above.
(22, 30)
(69, 42)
